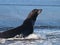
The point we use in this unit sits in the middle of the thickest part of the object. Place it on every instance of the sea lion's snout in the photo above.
(39, 11)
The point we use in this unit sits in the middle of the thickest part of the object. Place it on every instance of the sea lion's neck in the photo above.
(32, 16)
(31, 19)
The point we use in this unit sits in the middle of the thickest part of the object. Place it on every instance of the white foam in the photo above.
(32, 36)
(2, 40)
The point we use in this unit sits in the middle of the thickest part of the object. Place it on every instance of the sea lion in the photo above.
(26, 28)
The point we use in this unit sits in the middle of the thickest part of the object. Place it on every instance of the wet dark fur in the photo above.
(25, 29)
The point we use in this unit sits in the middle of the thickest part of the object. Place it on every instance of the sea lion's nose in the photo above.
(40, 10)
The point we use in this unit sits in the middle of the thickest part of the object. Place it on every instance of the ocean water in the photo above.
(47, 37)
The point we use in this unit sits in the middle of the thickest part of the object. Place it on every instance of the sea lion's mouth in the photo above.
(39, 11)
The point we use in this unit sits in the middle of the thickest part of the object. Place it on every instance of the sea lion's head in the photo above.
(34, 13)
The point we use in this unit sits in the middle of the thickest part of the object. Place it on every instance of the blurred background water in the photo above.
(13, 12)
